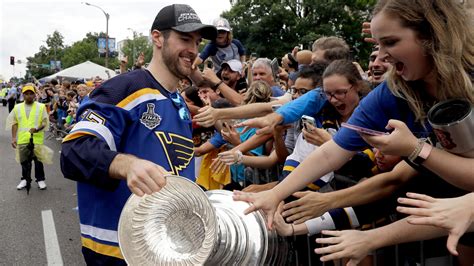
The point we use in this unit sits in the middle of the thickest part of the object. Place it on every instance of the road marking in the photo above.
(53, 253)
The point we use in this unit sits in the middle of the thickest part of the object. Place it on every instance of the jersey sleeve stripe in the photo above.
(75, 135)
(100, 233)
(101, 248)
(139, 97)
(288, 168)
(98, 130)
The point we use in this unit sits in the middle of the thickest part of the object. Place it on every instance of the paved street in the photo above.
(29, 224)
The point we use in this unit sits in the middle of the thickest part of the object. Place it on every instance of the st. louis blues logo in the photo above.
(179, 150)
(150, 119)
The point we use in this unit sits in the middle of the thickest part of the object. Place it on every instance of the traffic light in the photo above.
(12, 60)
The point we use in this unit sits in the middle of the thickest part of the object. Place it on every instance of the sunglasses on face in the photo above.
(339, 94)
(178, 101)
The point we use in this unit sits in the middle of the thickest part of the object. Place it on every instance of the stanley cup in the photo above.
(183, 225)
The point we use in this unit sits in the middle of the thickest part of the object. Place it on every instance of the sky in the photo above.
(25, 24)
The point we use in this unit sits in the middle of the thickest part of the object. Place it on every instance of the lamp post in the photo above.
(107, 16)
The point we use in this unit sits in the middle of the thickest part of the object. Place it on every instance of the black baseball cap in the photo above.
(182, 18)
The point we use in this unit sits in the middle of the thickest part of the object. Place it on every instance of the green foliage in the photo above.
(78, 52)
(272, 28)
(139, 44)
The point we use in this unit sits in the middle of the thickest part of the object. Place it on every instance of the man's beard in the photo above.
(172, 63)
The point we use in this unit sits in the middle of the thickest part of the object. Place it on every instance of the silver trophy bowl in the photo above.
(183, 225)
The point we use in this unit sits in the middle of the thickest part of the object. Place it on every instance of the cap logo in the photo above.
(187, 16)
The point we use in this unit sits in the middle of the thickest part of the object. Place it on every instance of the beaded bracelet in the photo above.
(416, 152)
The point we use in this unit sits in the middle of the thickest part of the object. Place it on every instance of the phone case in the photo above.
(364, 130)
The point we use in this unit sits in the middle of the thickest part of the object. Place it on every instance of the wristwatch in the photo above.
(423, 154)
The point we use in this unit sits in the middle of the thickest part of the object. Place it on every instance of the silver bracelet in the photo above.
(240, 157)
(417, 150)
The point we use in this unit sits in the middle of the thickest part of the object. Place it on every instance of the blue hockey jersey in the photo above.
(131, 114)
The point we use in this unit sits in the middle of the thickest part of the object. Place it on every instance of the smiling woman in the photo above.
(414, 40)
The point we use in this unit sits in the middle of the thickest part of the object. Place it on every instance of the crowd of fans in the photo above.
(62, 99)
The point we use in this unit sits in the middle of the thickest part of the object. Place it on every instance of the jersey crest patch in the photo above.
(150, 119)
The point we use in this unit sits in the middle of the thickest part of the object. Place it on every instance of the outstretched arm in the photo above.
(355, 245)
(455, 215)
(403, 143)
(314, 204)
(329, 157)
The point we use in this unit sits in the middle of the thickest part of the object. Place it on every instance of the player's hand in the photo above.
(145, 177)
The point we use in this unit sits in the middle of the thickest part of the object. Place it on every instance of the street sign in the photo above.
(55, 64)
(101, 45)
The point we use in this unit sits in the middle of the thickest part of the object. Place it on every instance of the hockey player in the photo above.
(135, 129)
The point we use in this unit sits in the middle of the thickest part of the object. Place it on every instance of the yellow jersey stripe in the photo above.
(370, 153)
(313, 186)
(76, 135)
(103, 249)
(136, 95)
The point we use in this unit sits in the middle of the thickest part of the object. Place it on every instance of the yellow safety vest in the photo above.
(26, 123)
(3, 92)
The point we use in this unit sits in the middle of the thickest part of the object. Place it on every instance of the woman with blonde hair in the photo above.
(258, 92)
(430, 46)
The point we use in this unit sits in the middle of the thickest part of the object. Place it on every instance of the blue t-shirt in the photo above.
(220, 55)
(311, 103)
(373, 112)
(277, 91)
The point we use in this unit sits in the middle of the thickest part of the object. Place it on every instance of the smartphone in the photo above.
(209, 64)
(275, 107)
(307, 120)
(364, 130)
(275, 67)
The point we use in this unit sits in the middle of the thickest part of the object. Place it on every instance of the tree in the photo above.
(55, 43)
(80, 51)
(139, 44)
(87, 49)
(273, 28)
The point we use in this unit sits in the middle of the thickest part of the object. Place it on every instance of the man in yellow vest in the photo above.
(28, 120)
(3, 95)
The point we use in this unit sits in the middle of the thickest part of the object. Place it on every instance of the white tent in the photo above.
(86, 70)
